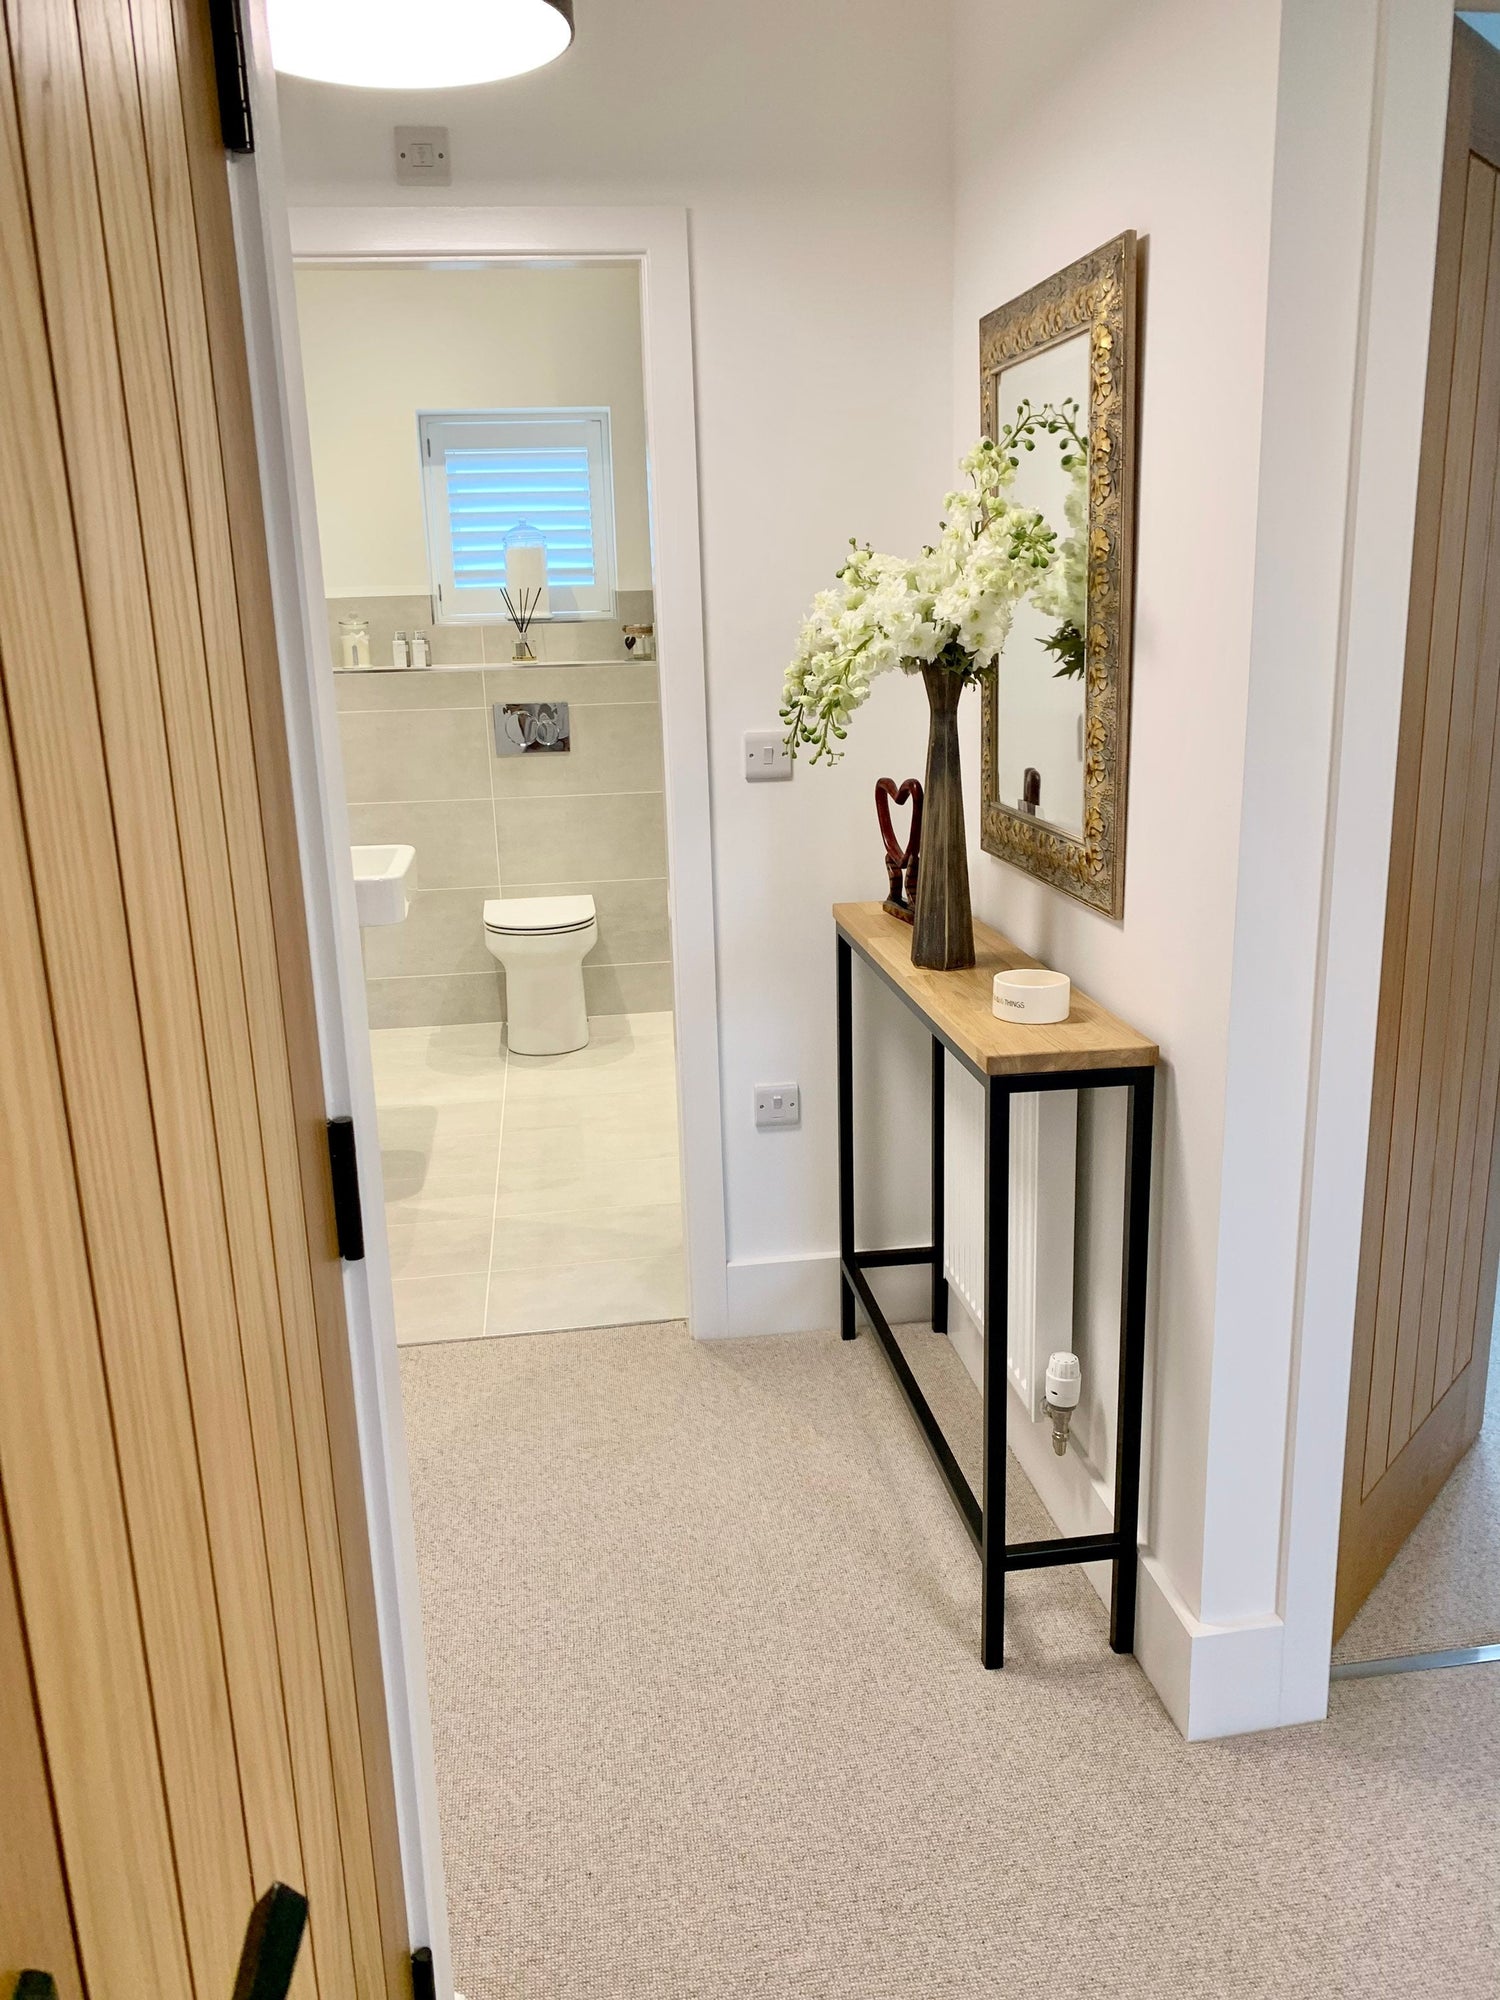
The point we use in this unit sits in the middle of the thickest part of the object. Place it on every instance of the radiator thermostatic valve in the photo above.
(1064, 1387)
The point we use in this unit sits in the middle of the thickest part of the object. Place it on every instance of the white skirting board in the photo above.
(801, 1294)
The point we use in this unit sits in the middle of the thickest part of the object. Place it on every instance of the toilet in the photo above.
(542, 942)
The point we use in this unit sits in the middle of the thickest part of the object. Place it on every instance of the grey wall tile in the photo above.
(436, 1002)
(614, 749)
(633, 925)
(627, 989)
(454, 645)
(586, 639)
(613, 681)
(443, 933)
(366, 693)
(454, 838)
(418, 754)
(619, 839)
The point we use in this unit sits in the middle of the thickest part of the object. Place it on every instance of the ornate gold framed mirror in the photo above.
(1057, 389)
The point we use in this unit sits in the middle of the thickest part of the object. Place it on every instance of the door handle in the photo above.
(273, 1938)
(272, 1941)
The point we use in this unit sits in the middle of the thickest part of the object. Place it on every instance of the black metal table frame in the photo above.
(985, 1519)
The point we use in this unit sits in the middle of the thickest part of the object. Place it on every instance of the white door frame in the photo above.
(655, 239)
(1361, 114)
(263, 244)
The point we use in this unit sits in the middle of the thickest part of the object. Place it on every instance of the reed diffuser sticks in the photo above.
(522, 608)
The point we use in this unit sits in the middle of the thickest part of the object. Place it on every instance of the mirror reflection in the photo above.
(1042, 415)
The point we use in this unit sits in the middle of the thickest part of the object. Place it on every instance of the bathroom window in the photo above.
(495, 479)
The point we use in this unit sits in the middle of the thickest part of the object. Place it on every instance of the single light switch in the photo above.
(422, 156)
(777, 1104)
(767, 759)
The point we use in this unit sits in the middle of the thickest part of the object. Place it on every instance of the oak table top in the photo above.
(958, 1004)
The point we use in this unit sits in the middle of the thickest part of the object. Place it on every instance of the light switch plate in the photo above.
(767, 759)
(423, 156)
(777, 1104)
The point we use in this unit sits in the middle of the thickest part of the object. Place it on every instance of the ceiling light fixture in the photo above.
(417, 44)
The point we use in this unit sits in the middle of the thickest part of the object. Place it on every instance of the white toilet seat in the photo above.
(537, 916)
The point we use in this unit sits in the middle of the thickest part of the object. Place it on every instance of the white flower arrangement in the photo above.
(950, 608)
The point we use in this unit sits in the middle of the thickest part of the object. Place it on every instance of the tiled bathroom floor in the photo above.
(528, 1193)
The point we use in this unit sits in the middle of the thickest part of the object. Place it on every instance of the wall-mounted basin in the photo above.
(382, 877)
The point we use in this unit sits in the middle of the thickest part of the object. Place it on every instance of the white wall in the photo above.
(380, 344)
(818, 191)
(1158, 117)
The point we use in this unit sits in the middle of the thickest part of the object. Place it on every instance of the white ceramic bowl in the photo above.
(1032, 995)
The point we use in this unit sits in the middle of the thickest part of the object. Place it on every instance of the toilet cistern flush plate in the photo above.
(382, 877)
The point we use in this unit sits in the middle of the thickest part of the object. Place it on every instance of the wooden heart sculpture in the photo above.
(900, 861)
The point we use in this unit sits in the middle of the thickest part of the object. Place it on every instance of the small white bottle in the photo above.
(400, 651)
(421, 652)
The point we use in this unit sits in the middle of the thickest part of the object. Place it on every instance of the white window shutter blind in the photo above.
(492, 493)
(487, 474)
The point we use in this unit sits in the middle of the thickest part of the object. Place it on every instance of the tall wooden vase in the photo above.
(943, 927)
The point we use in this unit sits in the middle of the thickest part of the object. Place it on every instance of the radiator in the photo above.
(1043, 1165)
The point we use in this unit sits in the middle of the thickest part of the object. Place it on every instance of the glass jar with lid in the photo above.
(354, 642)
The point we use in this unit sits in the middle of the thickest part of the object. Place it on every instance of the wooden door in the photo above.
(190, 1692)
(1428, 1254)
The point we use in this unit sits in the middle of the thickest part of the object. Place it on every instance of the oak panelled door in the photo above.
(1432, 1201)
(190, 1694)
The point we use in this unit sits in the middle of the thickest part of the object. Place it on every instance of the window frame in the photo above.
(442, 431)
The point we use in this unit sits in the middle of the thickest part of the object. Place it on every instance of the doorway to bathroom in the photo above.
(479, 458)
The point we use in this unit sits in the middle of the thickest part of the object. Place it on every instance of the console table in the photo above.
(1091, 1050)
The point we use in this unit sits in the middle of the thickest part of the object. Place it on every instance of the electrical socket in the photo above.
(777, 1104)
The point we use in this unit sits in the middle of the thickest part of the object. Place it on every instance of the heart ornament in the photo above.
(887, 794)
(900, 861)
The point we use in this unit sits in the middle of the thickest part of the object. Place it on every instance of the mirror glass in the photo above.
(1057, 394)
(1039, 688)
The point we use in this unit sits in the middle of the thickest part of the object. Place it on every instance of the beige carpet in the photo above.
(701, 1625)
(1443, 1589)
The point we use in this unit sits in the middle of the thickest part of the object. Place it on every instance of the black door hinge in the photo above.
(423, 1982)
(232, 74)
(348, 1216)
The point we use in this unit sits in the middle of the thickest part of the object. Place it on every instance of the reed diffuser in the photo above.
(525, 591)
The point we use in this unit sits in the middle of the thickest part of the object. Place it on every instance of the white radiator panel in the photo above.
(1043, 1168)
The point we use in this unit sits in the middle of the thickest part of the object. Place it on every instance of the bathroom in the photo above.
(478, 439)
